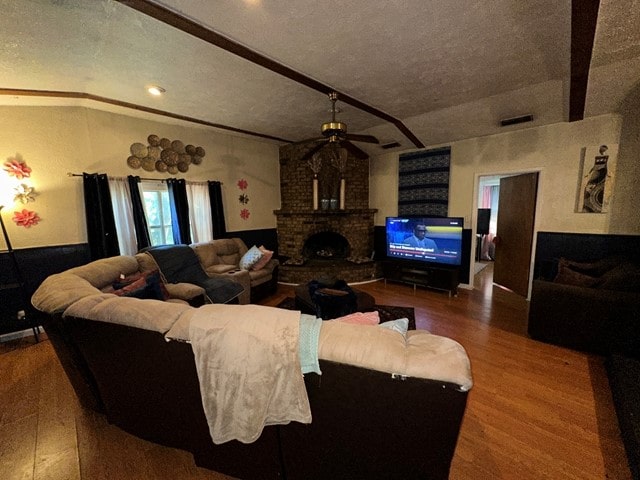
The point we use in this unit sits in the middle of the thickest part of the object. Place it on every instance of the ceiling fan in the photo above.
(334, 134)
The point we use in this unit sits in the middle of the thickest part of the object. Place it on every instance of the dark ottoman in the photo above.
(364, 301)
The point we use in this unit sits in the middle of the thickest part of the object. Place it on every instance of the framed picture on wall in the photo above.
(595, 181)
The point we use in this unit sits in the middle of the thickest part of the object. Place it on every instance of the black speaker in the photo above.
(484, 215)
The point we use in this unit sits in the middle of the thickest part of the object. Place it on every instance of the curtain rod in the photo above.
(69, 174)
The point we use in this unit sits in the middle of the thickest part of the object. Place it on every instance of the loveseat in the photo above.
(591, 306)
(222, 257)
(386, 405)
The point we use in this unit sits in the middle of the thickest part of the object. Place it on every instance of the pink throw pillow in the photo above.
(360, 318)
(266, 256)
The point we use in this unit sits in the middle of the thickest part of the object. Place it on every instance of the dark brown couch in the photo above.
(592, 306)
(388, 407)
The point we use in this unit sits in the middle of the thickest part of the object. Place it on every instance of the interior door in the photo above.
(514, 236)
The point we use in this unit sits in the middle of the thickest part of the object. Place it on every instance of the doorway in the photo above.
(506, 243)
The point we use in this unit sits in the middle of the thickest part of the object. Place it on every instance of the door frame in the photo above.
(536, 223)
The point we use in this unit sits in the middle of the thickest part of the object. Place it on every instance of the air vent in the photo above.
(515, 120)
(389, 145)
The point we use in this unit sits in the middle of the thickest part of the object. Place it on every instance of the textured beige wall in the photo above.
(553, 150)
(57, 140)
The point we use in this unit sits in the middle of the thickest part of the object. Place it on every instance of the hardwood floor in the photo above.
(536, 411)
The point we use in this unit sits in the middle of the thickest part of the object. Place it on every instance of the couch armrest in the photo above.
(271, 265)
(184, 291)
(239, 276)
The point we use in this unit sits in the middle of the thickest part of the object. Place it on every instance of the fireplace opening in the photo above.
(326, 245)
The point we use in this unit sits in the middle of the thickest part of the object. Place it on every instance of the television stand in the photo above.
(439, 278)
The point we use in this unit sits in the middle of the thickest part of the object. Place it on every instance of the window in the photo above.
(158, 212)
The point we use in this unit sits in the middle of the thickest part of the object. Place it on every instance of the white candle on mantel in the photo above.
(342, 193)
(315, 193)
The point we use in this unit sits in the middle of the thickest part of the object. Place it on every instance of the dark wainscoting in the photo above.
(36, 264)
(267, 237)
(380, 248)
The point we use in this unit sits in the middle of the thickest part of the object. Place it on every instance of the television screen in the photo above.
(425, 239)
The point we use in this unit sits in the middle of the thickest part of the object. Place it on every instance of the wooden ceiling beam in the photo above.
(186, 25)
(96, 98)
(584, 18)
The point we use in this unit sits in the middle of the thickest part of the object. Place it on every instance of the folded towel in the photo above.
(308, 349)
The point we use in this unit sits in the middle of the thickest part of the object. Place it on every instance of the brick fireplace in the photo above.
(327, 241)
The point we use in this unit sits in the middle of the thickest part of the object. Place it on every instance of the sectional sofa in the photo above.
(385, 406)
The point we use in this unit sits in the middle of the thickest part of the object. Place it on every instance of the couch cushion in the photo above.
(206, 253)
(146, 262)
(220, 268)
(228, 251)
(180, 329)
(567, 276)
(595, 268)
(151, 315)
(104, 271)
(184, 291)
(623, 278)
(420, 354)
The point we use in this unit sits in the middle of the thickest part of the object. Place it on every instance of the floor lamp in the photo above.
(18, 273)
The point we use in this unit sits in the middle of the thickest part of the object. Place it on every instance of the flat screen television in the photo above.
(436, 240)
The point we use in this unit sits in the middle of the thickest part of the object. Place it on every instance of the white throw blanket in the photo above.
(249, 370)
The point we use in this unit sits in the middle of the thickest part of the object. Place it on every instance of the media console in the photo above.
(440, 278)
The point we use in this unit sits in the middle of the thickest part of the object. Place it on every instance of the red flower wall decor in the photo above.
(26, 218)
(243, 184)
(17, 168)
(244, 214)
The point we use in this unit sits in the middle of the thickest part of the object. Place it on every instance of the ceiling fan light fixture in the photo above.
(155, 90)
(331, 129)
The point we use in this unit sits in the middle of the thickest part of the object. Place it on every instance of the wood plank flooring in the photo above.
(536, 411)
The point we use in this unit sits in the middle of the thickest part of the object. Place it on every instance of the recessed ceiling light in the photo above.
(156, 90)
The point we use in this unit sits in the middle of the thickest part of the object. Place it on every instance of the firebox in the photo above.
(326, 245)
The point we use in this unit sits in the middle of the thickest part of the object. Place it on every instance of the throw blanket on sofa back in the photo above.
(179, 263)
(248, 368)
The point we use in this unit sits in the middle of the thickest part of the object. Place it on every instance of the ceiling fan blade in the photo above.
(353, 150)
(361, 138)
(308, 140)
(313, 150)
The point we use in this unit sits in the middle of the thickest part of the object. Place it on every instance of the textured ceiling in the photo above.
(448, 70)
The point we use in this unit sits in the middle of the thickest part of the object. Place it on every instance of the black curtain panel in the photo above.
(423, 183)
(101, 225)
(139, 218)
(217, 212)
(179, 211)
